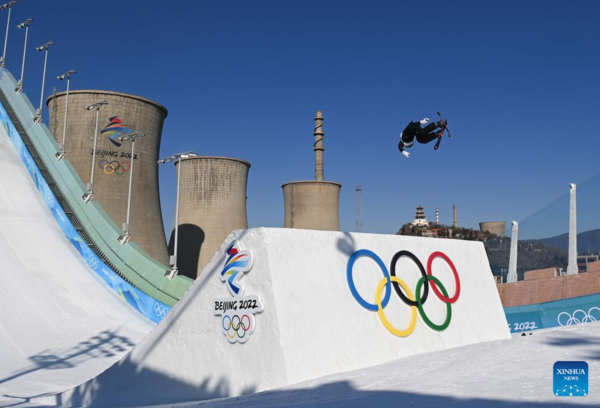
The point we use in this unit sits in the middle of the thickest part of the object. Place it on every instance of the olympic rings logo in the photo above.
(237, 328)
(577, 317)
(93, 262)
(160, 310)
(114, 167)
(416, 300)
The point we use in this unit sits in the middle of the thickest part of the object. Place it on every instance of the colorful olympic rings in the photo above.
(416, 301)
(114, 167)
(383, 318)
(426, 319)
(454, 272)
(236, 326)
(359, 299)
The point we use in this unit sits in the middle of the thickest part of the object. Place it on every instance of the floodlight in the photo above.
(66, 75)
(45, 46)
(25, 23)
(96, 105)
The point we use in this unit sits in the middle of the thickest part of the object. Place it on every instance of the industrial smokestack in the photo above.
(318, 133)
(437, 216)
(313, 204)
(455, 217)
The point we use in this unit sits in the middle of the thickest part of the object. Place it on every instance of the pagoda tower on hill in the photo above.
(420, 220)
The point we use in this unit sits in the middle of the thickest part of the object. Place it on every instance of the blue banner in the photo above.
(566, 312)
(140, 301)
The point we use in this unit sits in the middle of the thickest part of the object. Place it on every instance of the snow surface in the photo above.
(311, 324)
(504, 373)
(60, 325)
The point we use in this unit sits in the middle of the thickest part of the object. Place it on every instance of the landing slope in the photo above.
(276, 307)
(60, 325)
(511, 373)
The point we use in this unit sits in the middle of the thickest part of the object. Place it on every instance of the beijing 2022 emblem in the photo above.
(237, 321)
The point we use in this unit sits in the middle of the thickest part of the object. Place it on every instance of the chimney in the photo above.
(437, 216)
(318, 133)
(455, 217)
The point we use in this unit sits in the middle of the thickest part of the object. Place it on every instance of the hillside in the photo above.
(533, 254)
(588, 241)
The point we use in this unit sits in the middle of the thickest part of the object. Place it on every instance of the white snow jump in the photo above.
(60, 324)
(280, 306)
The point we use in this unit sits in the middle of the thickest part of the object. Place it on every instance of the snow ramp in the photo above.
(60, 323)
(280, 306)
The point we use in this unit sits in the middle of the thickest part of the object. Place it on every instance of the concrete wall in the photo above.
(495, 227)
(311, 325)
(543, 286)
(312, 205)
(212, 204)
(111, 187)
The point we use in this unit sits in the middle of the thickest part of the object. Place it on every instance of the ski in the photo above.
(445, 128)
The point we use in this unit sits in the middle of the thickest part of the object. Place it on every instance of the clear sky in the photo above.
(517, 80)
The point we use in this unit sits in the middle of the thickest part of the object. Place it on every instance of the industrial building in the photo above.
(123, 114)
(495, 227)
(212, 203)
(313, 204)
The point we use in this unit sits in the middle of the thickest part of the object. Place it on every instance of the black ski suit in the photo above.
(424, 135)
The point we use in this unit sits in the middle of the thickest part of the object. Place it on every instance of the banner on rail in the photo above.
(566, 312)
(146, 305)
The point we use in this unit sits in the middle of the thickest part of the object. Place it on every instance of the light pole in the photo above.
(44, 47)
(25, 24)
(61, 147)
(90, 193)
(177, 157)
(9, 7)
(131, 136)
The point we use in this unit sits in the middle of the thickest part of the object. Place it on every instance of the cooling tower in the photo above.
(313, 204)
(212, 203)
(495, 227)
(113, 158)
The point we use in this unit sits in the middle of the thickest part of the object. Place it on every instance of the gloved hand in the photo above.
(423, 121)
(406, 154)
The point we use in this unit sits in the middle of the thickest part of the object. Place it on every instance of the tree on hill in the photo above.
(532, 254)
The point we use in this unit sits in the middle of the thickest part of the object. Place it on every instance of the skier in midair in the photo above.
(423, 134)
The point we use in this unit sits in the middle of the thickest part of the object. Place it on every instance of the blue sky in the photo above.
(518, 82)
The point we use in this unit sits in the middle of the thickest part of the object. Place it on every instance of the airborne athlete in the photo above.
(434, 130)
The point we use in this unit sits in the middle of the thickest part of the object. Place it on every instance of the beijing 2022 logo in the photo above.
(415, 304)
(237, 323)
(115, 129)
